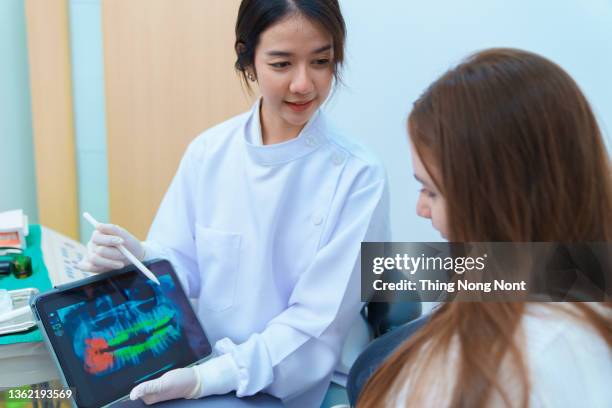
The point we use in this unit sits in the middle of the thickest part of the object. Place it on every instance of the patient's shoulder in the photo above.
(570, 363)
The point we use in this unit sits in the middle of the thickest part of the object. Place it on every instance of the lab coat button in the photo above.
(338, 158)
(317, 219)
(311, 141)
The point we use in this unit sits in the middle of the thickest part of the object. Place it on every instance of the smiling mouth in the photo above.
(299, 106)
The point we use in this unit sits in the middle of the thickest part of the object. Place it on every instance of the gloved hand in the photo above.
(102, 252)
(179, 383)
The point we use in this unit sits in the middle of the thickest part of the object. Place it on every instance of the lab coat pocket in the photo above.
(218, 261)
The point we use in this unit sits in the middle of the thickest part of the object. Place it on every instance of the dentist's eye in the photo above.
(283, 64)
(322, 61)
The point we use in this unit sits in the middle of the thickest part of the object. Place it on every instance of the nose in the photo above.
(422, 208)
(301, 82)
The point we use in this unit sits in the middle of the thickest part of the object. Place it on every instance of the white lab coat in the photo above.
(267, 238)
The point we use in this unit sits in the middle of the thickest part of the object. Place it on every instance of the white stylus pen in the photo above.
(125, 252)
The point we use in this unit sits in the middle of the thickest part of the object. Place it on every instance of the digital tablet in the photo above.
(113, 331)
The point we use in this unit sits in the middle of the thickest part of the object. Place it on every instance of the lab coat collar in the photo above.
(308, 140)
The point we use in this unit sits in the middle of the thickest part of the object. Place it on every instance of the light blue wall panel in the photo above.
(89, 110)
(397, 47)
(18, 185)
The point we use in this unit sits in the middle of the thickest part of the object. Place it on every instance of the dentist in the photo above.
(265, 216)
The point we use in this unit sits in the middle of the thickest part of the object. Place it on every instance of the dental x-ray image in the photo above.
(111, 333)
(109, 336)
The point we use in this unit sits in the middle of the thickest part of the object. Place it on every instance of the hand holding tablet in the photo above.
(111, 332)
(179, 383)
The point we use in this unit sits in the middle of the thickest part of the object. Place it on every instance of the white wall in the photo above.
(397, 47)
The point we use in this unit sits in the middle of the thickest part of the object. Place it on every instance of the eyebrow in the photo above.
(421, 181)
(288, 54)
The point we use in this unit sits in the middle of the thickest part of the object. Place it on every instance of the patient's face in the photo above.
(431, 203)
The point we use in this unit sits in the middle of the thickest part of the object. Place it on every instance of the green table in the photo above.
(39, 279)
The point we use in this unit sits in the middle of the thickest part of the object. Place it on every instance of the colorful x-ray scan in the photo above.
(111, 334)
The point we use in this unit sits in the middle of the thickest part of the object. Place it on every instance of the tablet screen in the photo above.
(113, 333)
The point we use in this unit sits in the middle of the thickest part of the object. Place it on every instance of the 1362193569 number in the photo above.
(55, 394)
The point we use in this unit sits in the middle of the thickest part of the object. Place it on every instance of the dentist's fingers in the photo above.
(111, 253)
(147, 391)
(177, 383)
(99, 238)
(113, 235)
(101, 263)
(102, 251)
(87, 266)
(115, 230)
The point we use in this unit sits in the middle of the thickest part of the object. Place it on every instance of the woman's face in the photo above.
(431, 204)
(294, 69)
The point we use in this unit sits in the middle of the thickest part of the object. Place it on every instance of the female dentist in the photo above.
(264, 218)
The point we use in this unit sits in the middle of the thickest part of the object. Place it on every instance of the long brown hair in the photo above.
(519, 156)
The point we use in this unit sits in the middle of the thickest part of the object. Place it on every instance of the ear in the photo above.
(240, 48)
(250, 70)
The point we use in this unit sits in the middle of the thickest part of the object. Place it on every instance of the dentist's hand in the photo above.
(102, 252)
(179, 383)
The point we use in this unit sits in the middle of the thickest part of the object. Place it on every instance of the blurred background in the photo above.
(98, 99)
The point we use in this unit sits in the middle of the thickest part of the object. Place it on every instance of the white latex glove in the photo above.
(179, 383)
(102, 252)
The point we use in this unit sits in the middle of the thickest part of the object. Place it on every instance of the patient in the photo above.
(506, 148)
